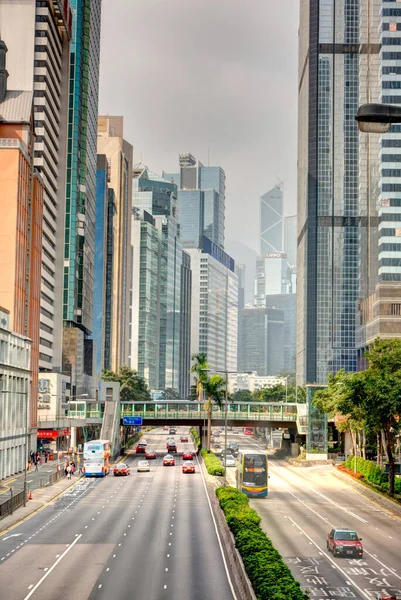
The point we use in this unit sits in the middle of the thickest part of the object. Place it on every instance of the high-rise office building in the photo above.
(214, 306)
(201, 201)
(103, 265)
(287, 303)
(274, 275)
(118, 151)
(21, 194)
(262, 337)
(185, 326)
(81, 192)
(328, 188)
(290, 239)
(158, 197)
(38, 36)
(240, 272)
(271, 221)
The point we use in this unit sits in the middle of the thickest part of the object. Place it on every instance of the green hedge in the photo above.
(212, 464)
(270, 577)
(196, 437)
(132, 440)
(373, 473)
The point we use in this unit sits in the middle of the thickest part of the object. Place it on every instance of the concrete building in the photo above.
(271, 221)
(262, 340)
(81, 196)
(274, 275)
(158, 198)
(185, 326)
(21, 223)
(118, 151)
(38, 37)
(201, 201)
(15, 386)
(54, 394)
(252, 382)
(329, 215)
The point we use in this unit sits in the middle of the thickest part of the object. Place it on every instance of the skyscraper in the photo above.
(38, 35)
(201, 201)
(328, 190)
(262, 336)
(118, 151)
(158, 197)
(290, 239)
(271, 221)
(185, 325)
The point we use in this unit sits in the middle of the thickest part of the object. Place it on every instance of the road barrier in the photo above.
(13, 502)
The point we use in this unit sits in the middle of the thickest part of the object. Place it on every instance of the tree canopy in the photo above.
(133, 387)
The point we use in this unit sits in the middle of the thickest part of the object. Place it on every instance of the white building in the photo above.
(37, 36)
(15, 382)
(252, 382)
(214, 307)
(274, 275)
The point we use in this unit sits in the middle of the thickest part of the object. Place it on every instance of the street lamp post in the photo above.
(226, 373)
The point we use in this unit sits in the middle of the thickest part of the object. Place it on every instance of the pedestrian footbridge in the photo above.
(261, 414)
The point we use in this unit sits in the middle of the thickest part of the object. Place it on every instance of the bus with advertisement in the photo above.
(252, 474)
(96, 458)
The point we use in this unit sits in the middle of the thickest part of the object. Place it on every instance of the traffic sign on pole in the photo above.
(132, 420)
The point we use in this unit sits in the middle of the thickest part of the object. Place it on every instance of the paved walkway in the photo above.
(34, 479)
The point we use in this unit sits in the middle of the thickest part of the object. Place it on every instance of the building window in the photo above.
(395, 309)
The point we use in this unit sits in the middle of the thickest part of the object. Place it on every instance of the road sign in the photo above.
(132, 420)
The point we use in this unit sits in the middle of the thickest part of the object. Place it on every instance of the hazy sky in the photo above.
(193, 75)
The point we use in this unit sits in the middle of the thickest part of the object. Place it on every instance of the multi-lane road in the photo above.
(149, 536)
(303, 506)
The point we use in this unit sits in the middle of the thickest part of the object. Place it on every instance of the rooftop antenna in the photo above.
(280, 183)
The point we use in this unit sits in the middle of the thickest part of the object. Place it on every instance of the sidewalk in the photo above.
(41, 498)
(33, 479)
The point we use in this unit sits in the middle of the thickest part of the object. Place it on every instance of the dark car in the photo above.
(171, 448)
(344, 542)
(228, 451)
(172, 431)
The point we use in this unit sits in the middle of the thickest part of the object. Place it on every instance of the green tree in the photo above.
(200, 369)
(242, 396)
(215, 389)
(171, 394)
(133, 387)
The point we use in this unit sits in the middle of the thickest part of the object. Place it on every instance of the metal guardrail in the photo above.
(12, 503)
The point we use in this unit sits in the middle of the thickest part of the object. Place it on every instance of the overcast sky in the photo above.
(193, 75)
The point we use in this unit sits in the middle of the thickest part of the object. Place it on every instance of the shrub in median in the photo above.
(212, 464)
(270, 577)
(196, 437)
(373, 473)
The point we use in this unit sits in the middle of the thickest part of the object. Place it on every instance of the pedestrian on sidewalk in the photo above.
(69, 472)
(46, 458)
(36, 465)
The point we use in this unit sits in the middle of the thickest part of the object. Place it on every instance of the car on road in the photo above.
(188, 467)
(143, 442)
(229, 461)
(342, 541)
(166, 428)
(171, 448)
(143, 466)
(227, 452)
(150, 455)
(172, 431)
(140, 449)
(184, 438)
(216, 444)
(121, 469)
(168, 461)
(234, 447)
(187, 455)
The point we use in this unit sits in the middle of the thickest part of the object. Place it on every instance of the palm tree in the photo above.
(215, 388)
(200, 368)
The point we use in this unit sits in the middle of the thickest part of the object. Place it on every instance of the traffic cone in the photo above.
(30, 496)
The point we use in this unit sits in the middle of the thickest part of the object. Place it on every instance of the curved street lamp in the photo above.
(377, 118)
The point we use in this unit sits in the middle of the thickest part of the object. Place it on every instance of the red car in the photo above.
(187, 455)
(168, 461)
(188, 467)
(150, 454)
(121, 469)
(140, 449)
(344, 542)
(184, 438)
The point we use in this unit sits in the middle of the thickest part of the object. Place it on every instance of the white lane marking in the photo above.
(33, 590)
(217, 534)
(349, 512)
(108, 569)
(351, 581)
(165, 587)
(10, 536)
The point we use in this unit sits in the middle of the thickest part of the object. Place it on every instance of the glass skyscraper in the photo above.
(328, 188)
(201, 201)
(271, 221)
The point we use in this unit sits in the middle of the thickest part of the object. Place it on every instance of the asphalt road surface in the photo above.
(148, 536)
(302, 507)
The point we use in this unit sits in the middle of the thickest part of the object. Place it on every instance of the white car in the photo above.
(143, 466)
(143, 442)
(230, 461)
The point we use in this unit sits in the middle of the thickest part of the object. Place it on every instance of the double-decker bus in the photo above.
(248, 430)
(96, 458)
(252, 474)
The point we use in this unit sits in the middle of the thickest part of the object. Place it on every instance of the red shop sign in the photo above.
(47, 433)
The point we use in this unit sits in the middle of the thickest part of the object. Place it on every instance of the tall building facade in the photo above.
(158, 197)
(201, 201)
(81, 193)
(328, 188)
(119, 153)
(185, 326)
(214, 306)
(21, 228)
(290, 239)
(262, 334)
(38, 36)
(271, 221)
(287, 303)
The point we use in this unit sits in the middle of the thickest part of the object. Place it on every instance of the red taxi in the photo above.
(168, 461)
(187, 455)
(121, 469)
(344, 542)
(140, 449)
(150, 455)
(188, 467)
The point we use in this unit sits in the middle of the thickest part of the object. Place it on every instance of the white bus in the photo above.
(96, 458)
